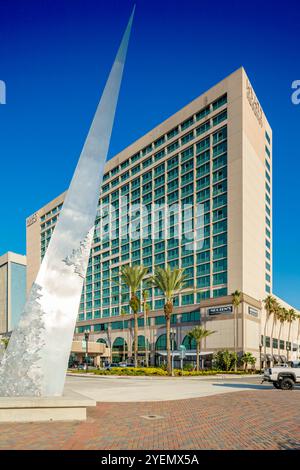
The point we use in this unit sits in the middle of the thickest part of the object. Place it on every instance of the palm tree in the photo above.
(123, 313)
(145, 295)
(274, 311)
(198, 333)
(236, 300)
(170, 283)
(298, 334)
(271, 306)
(248, 358)
(133, 276)
(5, 341)
(282, 316)
(290, 317)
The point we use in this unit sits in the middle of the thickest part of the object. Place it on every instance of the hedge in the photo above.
(155, 371)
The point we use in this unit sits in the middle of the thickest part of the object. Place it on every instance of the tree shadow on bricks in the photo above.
(244, 386)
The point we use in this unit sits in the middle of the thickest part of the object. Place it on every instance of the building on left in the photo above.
(12, 290)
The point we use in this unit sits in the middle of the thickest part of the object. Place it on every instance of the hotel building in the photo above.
(214, 156)
(12, 290)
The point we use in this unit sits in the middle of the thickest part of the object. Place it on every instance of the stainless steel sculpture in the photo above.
(37, 356)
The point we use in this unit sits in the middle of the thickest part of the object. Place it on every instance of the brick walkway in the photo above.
(242, 420)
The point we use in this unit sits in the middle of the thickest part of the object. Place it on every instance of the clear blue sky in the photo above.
(55, 56)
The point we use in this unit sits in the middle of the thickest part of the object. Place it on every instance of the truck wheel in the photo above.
(287, 384)
(276, 385)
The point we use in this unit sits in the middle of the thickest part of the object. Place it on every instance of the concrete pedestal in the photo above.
(69, 407)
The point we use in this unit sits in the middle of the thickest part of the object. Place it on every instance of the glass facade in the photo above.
(186, 167)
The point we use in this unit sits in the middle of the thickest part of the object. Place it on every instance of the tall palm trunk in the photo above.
(168, 333)
(197, 357)
(289, 337)
(235, 335)
(298, 334)
(135, 339)
(272, 334)
(279, 338)
(265, 346)
(146, 337)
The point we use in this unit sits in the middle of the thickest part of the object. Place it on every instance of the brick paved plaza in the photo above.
(260, 419)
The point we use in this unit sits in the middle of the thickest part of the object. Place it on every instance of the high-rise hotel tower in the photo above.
(214, 154)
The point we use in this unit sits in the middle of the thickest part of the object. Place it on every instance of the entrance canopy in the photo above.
(187, 353)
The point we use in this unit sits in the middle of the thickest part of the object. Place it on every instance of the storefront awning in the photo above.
(187, 353)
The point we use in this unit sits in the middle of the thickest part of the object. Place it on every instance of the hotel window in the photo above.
(203, 145)
(187, 123)
(125, 176)
(267, 151)
(146, 150)
(172, 133)
(203, 295)
(114, 171)
(220, 118)
(220, 278)
(268, 256)
(281, 344)
(203, 281)
(173, 162)
(124, 164)
(187, 299)
(268, 267)
(135, 169)
(203, 128)
(187, 138)
(219, 102)
(268, 341)
(220, 135)
(220, 292)
(147, 162)
(268, 165)
(159, 155)
(204, 112)
(203, 269)
(173, 146)
(159, 141)
(268, 137)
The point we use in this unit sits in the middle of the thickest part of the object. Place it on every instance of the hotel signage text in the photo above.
(31, 220)
(252, 311)
(254, 103)
(219, 310)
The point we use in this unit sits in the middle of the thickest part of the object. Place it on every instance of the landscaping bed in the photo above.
(155, 371)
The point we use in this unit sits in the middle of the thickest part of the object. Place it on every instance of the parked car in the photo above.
(284, 378)
(110, 366)
(123, 364)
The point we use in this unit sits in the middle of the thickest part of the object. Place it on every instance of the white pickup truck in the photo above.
(283, 377)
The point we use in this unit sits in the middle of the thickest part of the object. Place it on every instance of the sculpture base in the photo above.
(70, 407)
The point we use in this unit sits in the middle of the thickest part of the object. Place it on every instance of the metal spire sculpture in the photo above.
(36, 359)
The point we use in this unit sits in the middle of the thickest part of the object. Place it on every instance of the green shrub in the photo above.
(132, 371)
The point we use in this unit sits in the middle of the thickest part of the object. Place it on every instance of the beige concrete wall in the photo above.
(33, 239)
(254, 212)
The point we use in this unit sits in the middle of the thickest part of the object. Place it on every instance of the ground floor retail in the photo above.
(245, 328)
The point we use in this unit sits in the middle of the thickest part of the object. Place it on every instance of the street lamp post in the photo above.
(86, 337)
